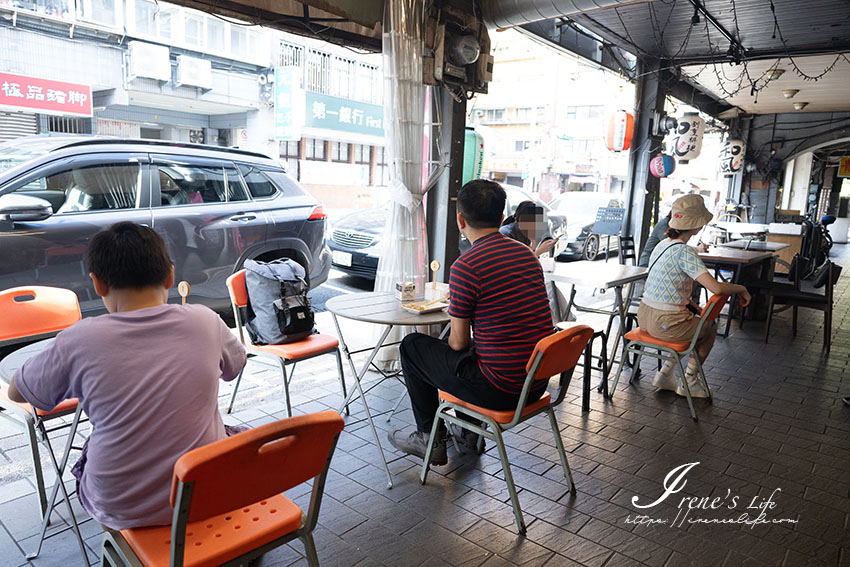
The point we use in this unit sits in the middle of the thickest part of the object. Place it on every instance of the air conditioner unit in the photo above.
(148, 61)
(194, 72)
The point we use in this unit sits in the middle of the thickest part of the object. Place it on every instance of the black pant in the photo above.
(430, 364)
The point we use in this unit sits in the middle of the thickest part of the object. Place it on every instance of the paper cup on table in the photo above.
(547, 263)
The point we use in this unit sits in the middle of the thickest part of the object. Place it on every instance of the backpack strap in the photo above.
(662, 253)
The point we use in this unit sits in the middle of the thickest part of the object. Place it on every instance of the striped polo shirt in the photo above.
(498, 285)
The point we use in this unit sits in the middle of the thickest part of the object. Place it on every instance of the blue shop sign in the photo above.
(343, 115)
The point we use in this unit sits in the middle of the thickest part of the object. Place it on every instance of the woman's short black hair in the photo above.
(673, 233)
(482, 203)
(128, 255)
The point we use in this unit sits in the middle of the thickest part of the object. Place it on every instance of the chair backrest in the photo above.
(248, 467)
(627, 250)
(558, 353)
(237, 290)
(712, 309)
(32, 311)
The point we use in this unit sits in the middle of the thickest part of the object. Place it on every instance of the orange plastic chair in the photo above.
(228, 506)
(674, 352)
(556, 354)
(33, 313)
(283, 355)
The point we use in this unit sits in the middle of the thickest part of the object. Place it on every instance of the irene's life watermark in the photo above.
(728, 509)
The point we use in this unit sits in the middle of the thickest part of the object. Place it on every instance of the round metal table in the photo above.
(13, 361)
(380, 309)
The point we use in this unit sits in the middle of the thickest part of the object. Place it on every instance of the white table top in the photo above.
(381, 308)
(741, 227)
(756, 245)
(13, 361)
(595, 274)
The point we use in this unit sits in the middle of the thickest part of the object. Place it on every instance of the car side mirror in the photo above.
(24, 208)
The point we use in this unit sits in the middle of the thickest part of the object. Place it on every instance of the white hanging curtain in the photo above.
(405, 246)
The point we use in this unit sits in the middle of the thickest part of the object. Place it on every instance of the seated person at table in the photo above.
(526, 226)
(673, 268)
(497, 291)
(146, 374)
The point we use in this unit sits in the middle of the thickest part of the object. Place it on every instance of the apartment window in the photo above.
(193, 29)
(361, 154)
(318, 71)
(314, 149)
(145, 12)
(571, 113)
(215, 34)
(339, 151)
(105, 12)
(343, 77)
(291, 55)
(166, 21)
(495, 115)
(238, 39)
(290, 149)
(521, 145)
(383, 176)
(55, 8)
(585, 112)
(368, 87)
(523, 114)
(68, 125)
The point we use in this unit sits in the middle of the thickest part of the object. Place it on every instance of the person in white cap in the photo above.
(664, 310)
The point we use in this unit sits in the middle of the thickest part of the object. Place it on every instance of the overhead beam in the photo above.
(567, 35)
(689, 94)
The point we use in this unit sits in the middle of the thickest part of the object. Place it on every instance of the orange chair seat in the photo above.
(314, 344)
(221, 538)
(499, 416)
(65, 406)
(644, 337)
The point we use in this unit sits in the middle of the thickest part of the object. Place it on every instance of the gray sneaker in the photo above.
(467, 441)
(417, 443)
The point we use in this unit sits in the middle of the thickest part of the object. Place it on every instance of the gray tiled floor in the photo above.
(777, 429)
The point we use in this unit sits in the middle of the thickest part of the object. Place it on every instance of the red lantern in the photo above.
(621, 126)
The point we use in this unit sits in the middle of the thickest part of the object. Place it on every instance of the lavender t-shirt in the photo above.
(148, 380)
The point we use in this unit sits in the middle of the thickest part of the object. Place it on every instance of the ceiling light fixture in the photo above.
(773, 74)
(800, 105)
(789, 93)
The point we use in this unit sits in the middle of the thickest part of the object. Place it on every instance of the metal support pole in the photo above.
(441, 214)
(644, 188)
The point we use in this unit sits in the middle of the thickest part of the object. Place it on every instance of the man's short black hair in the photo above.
(482, 203)
(128, 255)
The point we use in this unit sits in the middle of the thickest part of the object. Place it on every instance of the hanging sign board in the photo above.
(20, 92)
(288, 103)
(844, 167)
(343, 115)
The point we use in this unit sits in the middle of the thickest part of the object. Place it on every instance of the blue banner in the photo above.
(343, 115)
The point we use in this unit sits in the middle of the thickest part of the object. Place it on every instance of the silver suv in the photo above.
(215, 207)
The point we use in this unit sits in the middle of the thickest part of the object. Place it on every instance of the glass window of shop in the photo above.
(339, 151)
(290, 153)
(362, 154)
(314, 149)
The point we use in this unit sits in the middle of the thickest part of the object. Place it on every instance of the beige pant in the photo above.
(677, 326)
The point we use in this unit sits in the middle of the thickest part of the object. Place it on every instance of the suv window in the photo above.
(284, 183)
(258, 184)
(88, 188)
(185, 184)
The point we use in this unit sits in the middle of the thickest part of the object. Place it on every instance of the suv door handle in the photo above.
(241, 217)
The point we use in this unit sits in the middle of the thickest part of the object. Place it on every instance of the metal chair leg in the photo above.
(285, 386)
(310, 550)
(426, 463)
(687, 388)
(235, 389)
(559, 443)
(704, 384)
(509, 479)
(617, 376)
(341, 376)
(769, 319)
(32, 441)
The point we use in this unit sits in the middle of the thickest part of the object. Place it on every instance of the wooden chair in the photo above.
(556, 354)
(228, 503)
(283, 355)
(795, 298)
(642, 343)
(33, 313)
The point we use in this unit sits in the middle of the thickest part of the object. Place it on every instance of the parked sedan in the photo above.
(355, 239)
(215, 208)
(580, 209)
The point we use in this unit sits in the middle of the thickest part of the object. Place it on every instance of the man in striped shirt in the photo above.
(498, 293)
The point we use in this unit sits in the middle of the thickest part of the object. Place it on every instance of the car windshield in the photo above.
(15, 152)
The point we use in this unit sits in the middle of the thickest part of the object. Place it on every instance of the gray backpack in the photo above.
(279, 310)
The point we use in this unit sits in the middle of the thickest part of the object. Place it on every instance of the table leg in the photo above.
(736, 276)
(357, 377)
(59, 469)
(585, 386)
